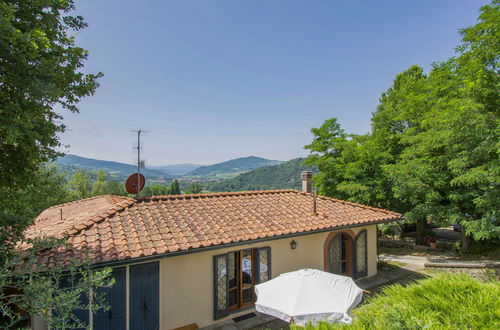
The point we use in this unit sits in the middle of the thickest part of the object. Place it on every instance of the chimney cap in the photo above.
(306, 174)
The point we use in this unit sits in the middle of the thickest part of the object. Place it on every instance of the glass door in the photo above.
(234, 280)
(247, 278)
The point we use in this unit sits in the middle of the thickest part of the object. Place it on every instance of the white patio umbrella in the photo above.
(308, 295)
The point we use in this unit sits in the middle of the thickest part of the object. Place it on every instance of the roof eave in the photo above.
(234, 244)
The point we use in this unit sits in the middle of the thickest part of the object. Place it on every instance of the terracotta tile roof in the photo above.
(117, 228)
(59, 219)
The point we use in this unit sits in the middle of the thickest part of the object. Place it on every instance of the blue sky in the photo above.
(215, 80)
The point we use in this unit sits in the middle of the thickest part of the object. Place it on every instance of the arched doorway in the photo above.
(340, 254)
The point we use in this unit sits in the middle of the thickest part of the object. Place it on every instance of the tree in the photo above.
(414, 186)
(40, 68)
(81, 184)
(18, 207)
(432, 152)
(194, 188)
(114, 187)
(349, 165)
(53, 293)
(40, 65)
(453, 157)
(156, 190)
(175, 189)
(99, 187)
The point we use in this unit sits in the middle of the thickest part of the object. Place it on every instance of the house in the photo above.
(184, 259)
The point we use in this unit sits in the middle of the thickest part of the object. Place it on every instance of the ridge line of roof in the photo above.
(215, 194)
(87, 199)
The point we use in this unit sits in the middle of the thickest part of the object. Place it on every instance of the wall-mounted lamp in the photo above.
(293, 244)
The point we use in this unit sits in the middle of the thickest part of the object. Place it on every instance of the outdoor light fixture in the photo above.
(293, 244)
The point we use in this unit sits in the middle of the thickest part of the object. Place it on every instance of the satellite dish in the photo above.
(135, 183)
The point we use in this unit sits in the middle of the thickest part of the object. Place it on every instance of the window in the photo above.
(235, 275)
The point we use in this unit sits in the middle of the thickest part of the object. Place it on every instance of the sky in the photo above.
(217, 80)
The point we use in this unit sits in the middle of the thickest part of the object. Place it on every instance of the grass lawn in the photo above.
(447, 301)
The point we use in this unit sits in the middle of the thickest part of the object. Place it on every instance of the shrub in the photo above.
(389, 229)
(449, 301)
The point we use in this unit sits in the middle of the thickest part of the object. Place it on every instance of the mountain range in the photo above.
(119, 171)
(282, 176)
(176, 169)
(231, 167)
(247, 173)
(228, 169)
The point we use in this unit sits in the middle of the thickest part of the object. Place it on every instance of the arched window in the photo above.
(360, 255)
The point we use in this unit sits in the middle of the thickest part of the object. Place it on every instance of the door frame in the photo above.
(350, 250)
(238, 261)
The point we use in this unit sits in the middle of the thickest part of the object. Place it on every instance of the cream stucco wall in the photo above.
(186, 281)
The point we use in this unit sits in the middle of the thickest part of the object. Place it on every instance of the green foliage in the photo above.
(84, 184)
(349, 165)
(52, 293)
(175, 189)
(389, 229)
(194, 188)
(449, 301)
(282, 176)
(433, 151)
(99, 186)
(40, 69)
(81, 184)
(19, 206)
(155, 190)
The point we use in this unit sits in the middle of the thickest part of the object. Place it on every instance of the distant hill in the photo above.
(232, 167)
(282, 176)
(119, 171)
(176, 169)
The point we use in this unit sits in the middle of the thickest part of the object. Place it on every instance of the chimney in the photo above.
(306, 177)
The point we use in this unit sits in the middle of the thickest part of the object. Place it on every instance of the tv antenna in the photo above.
(135, 182)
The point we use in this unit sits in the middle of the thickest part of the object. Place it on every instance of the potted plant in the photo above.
(431, 241)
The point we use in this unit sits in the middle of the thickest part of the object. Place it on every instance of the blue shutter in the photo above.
(152, 294)
(68, 282)
(115, 297)
(144, 296)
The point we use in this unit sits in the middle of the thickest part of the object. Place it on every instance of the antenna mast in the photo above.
(139, 163)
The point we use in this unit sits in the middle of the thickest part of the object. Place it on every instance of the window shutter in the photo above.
(70, 282)
(360, 255)
(115, 297)
(263, 264)
(221, 286)
(334, 255)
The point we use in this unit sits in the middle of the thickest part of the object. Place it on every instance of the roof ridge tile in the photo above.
(86, 200)
(214, 194)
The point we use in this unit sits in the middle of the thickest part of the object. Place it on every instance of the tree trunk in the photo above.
(420, 238)
(465, 239)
